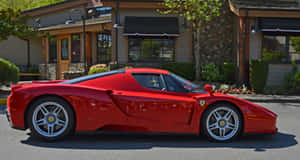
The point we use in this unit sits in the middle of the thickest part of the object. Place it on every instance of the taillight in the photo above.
(15, 87)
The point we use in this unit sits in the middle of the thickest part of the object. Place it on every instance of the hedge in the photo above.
(186, 70)
(258, 75)
(9, 73)
(99, 68)
(228, 71)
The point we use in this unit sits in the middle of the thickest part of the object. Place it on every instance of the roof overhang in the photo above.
(272, 12)
(151, 26)
(94, 25)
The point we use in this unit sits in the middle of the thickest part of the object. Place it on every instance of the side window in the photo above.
(173, 85)
(150, 81)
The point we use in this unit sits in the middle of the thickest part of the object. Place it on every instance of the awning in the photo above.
(151, 26)
(287, 25)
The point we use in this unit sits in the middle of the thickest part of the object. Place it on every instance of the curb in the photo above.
(3, 100)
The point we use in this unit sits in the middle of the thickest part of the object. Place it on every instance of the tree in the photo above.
(197, 12)
(295, 42)
(12, 22)
(26, 4)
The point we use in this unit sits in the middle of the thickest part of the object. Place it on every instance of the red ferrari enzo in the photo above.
(143, 100)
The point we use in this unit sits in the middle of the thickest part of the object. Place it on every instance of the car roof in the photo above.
(146, 70)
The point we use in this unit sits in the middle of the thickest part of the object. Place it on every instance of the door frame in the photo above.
(59, 60)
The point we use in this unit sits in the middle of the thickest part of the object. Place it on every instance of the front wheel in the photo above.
(222, 122)
(50, 118)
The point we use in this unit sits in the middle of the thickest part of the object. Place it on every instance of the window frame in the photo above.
(67, 58)
(162, 39)
(108, 46)
(72, 61)
(287, 46)
(54, 61)
(177, 83)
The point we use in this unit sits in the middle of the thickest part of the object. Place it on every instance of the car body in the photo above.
(122, 101)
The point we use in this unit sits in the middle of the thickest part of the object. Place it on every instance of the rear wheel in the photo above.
(50, 118)
(222, 122)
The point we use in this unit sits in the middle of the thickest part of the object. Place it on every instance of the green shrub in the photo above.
(210, 73)
(8, 72)
(98, 69)
(186, 70)
(292, 79)
(33, 70)
(227, 71)
(258, 75)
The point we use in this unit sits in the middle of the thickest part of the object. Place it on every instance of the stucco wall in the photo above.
(183, 49)
(15, 50)
(277, 73)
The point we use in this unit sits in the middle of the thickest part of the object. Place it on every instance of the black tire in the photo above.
(71, 118)
(212, 108)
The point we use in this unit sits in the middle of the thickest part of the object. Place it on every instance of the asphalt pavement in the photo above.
(19, 145)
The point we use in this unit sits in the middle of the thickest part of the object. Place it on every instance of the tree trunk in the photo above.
(197, 51)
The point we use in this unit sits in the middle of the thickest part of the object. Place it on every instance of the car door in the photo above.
(154, 103)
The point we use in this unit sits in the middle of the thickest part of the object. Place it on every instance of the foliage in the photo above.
(72, 75)
(197, 12)
(186, 70)
(295, 42)
(272, 56)
(8, 71)
(258, 75)
(12, 22)
(33, 69)
(26, 4)
(210, 72)
(99, 68)
(227, 71)
(292, 79)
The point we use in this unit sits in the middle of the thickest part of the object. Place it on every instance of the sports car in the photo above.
(137, 99)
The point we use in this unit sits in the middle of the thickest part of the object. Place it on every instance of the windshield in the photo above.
(191, 87)
(90, 77)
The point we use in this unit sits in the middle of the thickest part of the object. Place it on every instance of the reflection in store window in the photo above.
(281, 49)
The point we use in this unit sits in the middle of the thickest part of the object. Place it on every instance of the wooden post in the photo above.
(244, 43)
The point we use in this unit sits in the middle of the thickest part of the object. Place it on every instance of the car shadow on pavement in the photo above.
(119, 141)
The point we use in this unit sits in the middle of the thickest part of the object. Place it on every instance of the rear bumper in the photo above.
(10, 123)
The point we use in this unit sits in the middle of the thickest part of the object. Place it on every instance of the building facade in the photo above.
(132, 32)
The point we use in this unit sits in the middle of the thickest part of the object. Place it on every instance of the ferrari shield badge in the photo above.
(202, 103)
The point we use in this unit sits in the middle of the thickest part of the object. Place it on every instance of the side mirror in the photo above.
(208, 88)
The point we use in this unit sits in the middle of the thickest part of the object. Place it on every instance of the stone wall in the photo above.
(48, 71)
(217, 38)
(76, 67)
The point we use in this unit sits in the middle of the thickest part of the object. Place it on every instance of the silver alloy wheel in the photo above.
(222, 123)
(50, 119)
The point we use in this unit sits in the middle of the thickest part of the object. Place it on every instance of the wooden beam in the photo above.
(244, 52)
(90, 28)
(89, 48)
(234, 10)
